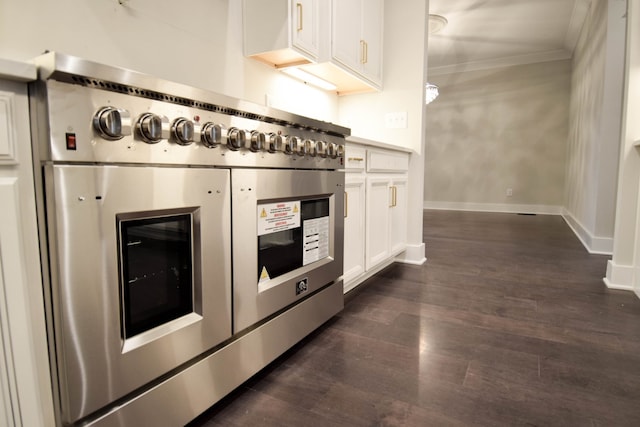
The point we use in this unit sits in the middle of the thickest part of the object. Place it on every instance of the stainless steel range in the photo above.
(188, 239)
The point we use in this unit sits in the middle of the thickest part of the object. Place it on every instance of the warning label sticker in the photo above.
(274, 217)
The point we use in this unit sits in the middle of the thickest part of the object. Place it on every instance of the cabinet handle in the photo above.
(391, 196)
(299, 9)
(394, 196)
(355, 159)
(362, 50)
(366, 52)
(346, 204)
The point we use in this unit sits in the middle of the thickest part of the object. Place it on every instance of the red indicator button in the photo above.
(71, 141)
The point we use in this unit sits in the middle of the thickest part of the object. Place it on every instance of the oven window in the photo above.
(157, 271)
(305, 240)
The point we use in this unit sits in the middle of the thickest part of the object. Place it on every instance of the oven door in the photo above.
(141, 275)
(287, 238)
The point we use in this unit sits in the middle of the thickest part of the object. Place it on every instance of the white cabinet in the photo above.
(376, 198)
(398, 215)
(339, 41)
(357, 37)
(386, 217)
(283, 32)
(354, 226)
(25, 384)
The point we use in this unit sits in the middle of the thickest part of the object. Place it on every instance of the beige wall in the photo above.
(496, 129)
(594, 137)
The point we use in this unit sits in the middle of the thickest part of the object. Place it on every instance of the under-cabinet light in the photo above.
(309, 78)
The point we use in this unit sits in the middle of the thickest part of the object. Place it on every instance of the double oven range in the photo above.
(188, 239)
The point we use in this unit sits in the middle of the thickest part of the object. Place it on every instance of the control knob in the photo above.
(258, 140)
(236, 139)
(340, 151)
(149, 128)
(274, 143)
(321, 148)
(182, 131)
(302, 146)
(291, 144)
(108, 122)
(211, 135)
(332, 150)
(310, 147)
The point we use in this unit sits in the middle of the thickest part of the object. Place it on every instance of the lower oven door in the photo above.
(141, 275)
(287, 238)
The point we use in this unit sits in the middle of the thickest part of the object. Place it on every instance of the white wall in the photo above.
(195, 42)
(594, 137)
(623, 271)
(495, 129)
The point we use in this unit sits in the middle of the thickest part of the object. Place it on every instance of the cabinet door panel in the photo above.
(305, 25)
(346, 32)
(378, 198)
(398, 216)
(372, 34)
(354, 227)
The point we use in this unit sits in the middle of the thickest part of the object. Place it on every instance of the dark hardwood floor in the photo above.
(507, 324)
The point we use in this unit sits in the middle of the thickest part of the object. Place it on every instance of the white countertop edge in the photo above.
(377, 144)
(17, 71)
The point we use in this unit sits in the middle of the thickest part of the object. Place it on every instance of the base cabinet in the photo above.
(354, 227)
(386, 218)
(376, 222)
(25, 385)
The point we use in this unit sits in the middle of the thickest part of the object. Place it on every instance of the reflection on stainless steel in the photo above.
(141, 179)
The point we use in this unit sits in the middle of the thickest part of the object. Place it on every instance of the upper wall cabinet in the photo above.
(357, 39)
(339, 41)
(282, 33)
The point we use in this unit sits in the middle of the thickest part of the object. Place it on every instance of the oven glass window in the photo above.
(291, 235)
(157, 271)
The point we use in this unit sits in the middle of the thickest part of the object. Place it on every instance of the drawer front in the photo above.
(356, 158)
(386, 161)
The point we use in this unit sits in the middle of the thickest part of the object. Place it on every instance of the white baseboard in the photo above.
(619, 276)
(413, 254)
(495, 207)
(594, 244)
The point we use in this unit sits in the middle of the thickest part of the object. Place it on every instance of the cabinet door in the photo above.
(354, 227)
(346, 32)
(372, 37)
(305, 26)
(378, 201)
(398, 216)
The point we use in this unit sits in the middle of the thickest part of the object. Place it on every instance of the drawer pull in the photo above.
(355, 159)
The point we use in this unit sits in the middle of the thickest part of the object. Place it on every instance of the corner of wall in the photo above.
(593, 244)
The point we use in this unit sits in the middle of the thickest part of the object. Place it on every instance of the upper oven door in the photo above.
(141, 275)
(287, 238)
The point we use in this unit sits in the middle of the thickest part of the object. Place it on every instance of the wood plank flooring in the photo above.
(507, 324)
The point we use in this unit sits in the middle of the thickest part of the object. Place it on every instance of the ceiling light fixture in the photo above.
(431, 93)
(437, 23)
(309, 78)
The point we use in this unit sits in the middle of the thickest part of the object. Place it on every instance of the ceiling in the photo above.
(483, 34)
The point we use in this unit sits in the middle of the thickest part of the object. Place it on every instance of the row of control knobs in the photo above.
(113, 124)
